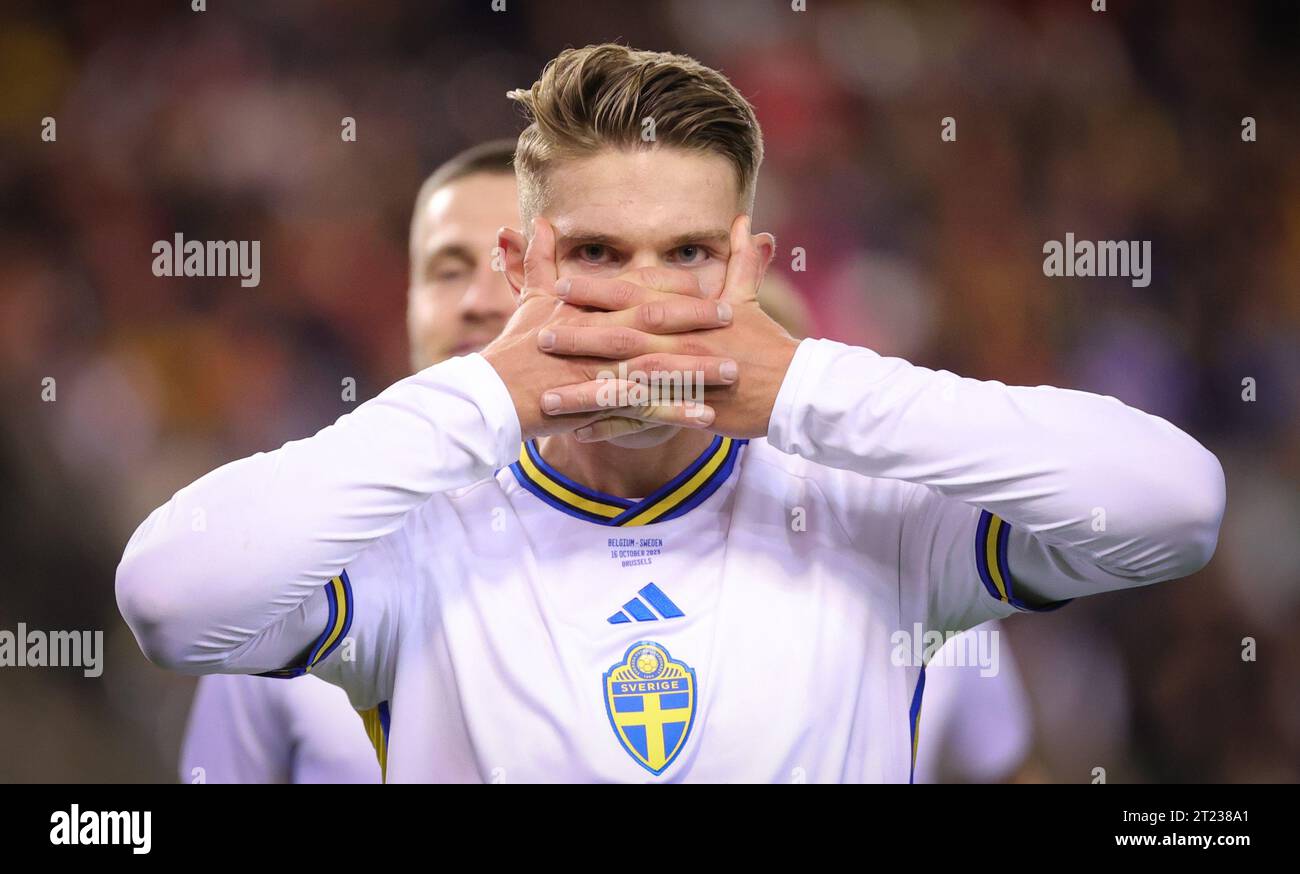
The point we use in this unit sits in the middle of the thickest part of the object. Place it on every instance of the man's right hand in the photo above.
(677, 306)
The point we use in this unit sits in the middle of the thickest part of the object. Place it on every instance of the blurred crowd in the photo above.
(225, 125)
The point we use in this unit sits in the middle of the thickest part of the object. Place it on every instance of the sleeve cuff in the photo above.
(992, 534)
(482, 384)
(338, 597)
(781, 427)
(809, 369)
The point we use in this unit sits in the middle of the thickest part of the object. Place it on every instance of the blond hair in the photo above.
(610, 95)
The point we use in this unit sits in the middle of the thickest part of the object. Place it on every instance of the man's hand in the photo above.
(633, 321)
(761, 349)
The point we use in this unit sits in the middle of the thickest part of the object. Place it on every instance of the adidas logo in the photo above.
(637, 608)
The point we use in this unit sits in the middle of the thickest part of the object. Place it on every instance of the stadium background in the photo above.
(225, 125)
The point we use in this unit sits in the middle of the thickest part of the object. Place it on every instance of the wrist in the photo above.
(781, 423)
(776, 372)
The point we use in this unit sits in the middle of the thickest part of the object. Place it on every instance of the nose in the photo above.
(642, 260)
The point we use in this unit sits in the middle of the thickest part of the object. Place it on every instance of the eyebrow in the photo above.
(716, 237)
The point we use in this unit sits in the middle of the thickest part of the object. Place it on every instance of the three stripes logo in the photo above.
(651, 606)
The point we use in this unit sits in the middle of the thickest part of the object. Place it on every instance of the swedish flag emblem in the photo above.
(651, 698)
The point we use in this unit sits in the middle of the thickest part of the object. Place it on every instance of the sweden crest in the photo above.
(650, 699)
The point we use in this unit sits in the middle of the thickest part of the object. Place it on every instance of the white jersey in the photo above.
(743, 623)
(245, 729)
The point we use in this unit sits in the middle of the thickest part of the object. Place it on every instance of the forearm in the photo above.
(244, 545)
(1083, 472)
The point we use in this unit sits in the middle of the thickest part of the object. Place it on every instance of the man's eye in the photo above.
(449, 274)
(593, 252)
(690, 254)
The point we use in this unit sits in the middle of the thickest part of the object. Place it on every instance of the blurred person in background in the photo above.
(459, 299)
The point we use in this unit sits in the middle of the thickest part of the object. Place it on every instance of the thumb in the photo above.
(747, 262)
(539, 260)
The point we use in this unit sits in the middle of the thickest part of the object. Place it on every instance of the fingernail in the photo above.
(705, 415)
(583, 433)
(562, 287)
(729, 371)
(724, 312)
(551, 401)
(546, 339)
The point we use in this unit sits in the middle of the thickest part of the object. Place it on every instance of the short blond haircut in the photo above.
(602, 96)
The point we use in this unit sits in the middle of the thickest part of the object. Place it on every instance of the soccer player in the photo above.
(783, 532)
(248, 729)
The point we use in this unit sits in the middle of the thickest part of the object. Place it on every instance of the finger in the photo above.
(745, 264)
(539, 259)
(609, 394)
(667, 280)
(589, 399)
(620, 293)
(698, 369)
(568, 423)
(667, 314)
(603, 293)
(610, 429)
(600, 342)
(690, 415)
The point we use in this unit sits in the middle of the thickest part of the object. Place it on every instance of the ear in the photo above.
(513, 245)
(765, 243)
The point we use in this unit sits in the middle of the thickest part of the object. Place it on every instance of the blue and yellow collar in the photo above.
(687, 490)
